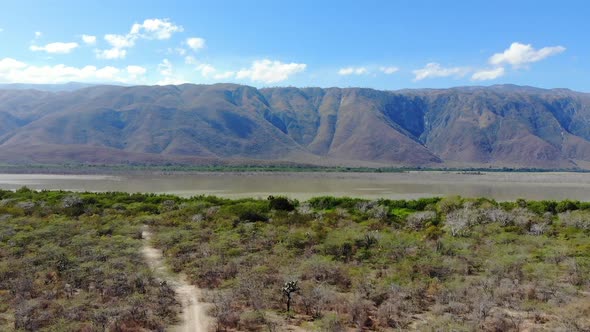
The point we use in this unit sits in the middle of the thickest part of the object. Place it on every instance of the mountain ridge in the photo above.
(495, 126)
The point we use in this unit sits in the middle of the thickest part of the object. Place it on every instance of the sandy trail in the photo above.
(194, 317)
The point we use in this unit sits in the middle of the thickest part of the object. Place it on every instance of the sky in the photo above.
(385, 44)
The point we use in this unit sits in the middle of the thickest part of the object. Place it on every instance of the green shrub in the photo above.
(567, 205)
(330, 202)
(249, 211)
(280, 203)
(541, 207)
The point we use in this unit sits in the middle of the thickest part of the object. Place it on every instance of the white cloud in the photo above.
(8, 64)
(120, 41)
(517, 55)
(171, 81)
(119, 44)
(88, 39)
(59, 48)
(1, 30)
(433, 69)
(136, 70)
(190, 60)
(165, 68)
(108, 73)
(521, 54)
(268, 71)
(178, 50)
(364, 70)
(206, 69)
(388, 70)
(488, 74)
(38, 34)
(150, 29)
(135, 73)
(353, 70)
(14, 71)
(195, 43)
(167, 72)
(112, 53)
(225, 75)
(155, 29)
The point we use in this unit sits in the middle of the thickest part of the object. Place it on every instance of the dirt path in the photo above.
(194, 317)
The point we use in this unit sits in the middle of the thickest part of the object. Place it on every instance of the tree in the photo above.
(289, 288)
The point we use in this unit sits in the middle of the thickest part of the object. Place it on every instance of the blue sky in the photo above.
(377, 44)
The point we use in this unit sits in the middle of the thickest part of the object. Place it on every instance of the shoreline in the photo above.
(255, 169)
(507, 186)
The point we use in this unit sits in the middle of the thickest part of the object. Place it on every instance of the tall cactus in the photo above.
(289, 288)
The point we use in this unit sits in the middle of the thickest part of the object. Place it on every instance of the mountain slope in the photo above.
(473, 126)
(514, 126)
(204, 121)
(345, 124)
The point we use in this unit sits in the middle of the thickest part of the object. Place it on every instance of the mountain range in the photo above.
(496, 126)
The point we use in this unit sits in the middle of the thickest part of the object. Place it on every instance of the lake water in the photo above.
(500, 186)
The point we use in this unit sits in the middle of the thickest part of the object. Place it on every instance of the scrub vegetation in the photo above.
(69, 263)
(72, 261)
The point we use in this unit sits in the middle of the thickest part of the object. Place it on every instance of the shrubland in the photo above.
(68, 263)
(71, 261)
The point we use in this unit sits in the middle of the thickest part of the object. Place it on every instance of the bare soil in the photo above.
(194, 312)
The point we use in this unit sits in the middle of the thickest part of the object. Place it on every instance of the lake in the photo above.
(500, 186)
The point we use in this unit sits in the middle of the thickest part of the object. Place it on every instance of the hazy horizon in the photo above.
(56, 86)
